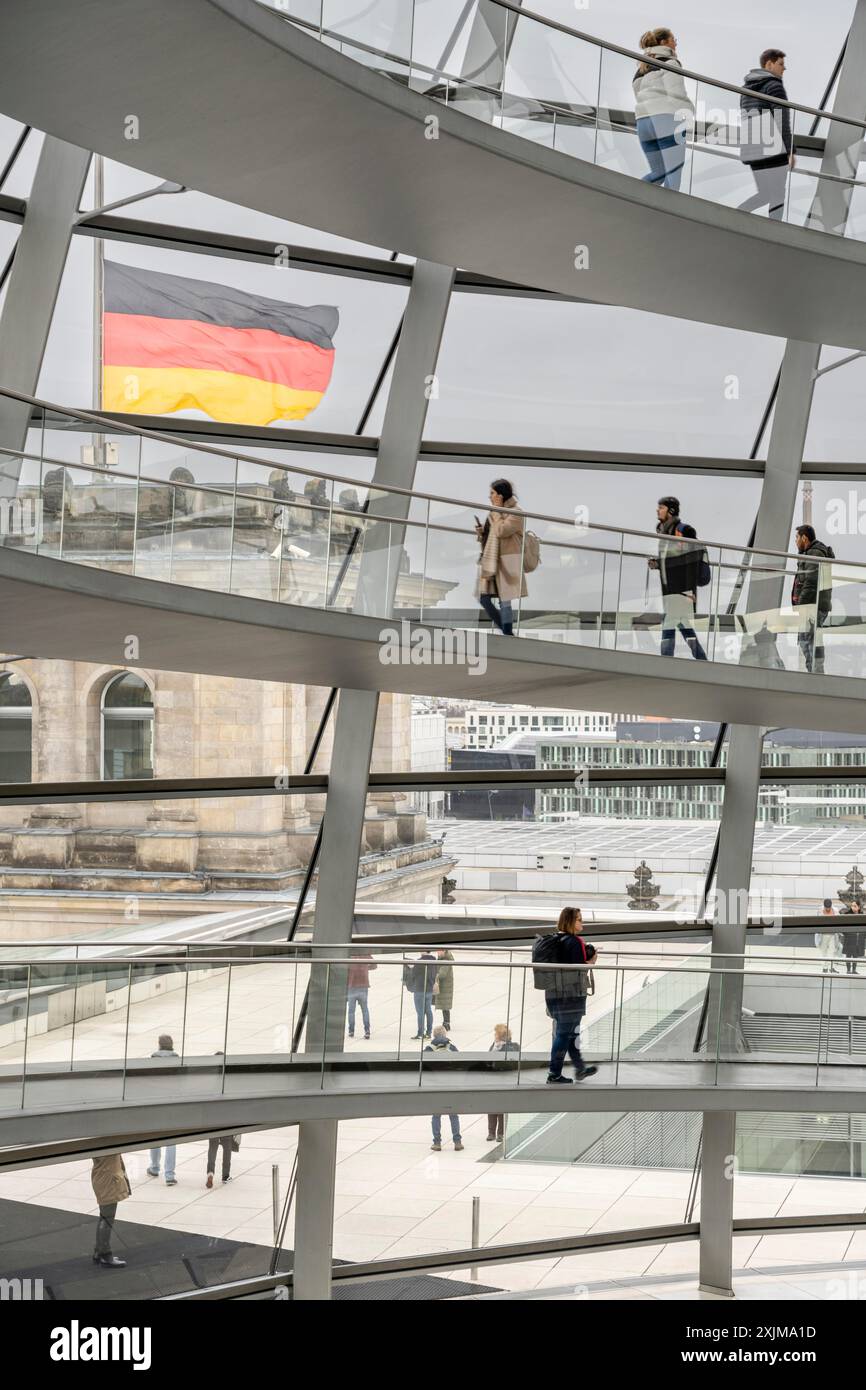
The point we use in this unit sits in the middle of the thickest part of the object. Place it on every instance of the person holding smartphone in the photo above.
(500, 569)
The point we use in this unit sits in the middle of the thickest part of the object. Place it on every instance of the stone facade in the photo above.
(203, 726)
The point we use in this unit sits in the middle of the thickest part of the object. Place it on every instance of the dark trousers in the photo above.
(104, 1228)
(851, 964)
(566, 1015)
(503, 617)
(812, 645)
(212, 1146)
(496, 1126)
(446, 1017)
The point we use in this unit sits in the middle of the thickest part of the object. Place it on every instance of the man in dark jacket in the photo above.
(766, 141)
(679, 567)
(420, 979)
(813, 592)
(566, 997)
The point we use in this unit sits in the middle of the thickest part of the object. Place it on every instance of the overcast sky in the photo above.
(524, 371)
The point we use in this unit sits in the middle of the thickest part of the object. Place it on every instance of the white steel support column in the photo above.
(34, 282)
(733, 875)
(773, 532)
(314, 1210)
(718, 1142)
(400, 442)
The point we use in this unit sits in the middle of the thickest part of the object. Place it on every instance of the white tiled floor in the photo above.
(395, 1197)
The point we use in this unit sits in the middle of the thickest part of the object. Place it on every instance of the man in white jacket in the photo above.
(663, 109)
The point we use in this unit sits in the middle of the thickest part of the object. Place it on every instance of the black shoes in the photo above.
(109, 1261)
(585, 1072)
(559, 1081)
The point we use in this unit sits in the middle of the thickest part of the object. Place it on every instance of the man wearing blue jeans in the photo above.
(436, 1146)
(422, 982)
(170, 1155)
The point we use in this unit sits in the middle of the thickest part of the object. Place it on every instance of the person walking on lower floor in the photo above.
(165, 1050)
(359, 989)
(229, 1143)
(419, 977)
(443, 990)
(501, 569)
(663, 109)
(827, 943)
(766, 141)
(110, 1186)
(565, 991)
(502, 1043)
(681, 571)
(812, 595)
(170, 1161)
(853, 942)
(436, 1121)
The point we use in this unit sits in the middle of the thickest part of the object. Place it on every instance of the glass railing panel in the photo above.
(85, 515)
(381, 25)
(529, 119)
(559, 73)
(259, 1023)
(14, 991)
(309, 12)
(840, 621)
(67, 440)
(440, 31)
(50, 1031)
(842, 1042)
(566, 596)
(202, 537)
(719, 141)
(771, 627)
(99, 1028)
(281, 536)
(451, 569)
(158, 1001)
(658, 1012)
(470, 1004)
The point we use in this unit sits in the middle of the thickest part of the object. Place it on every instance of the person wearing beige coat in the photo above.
(500, 563)
(110, 1186)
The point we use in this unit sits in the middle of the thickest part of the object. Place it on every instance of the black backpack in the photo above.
(563, 984)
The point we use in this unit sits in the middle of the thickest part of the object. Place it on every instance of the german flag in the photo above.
(175, 344)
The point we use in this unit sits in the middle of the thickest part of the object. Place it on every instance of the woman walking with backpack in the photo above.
(502, 571)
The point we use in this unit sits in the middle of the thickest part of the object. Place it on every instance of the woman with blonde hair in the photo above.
(502, 1042)
(500, 562)
(663, 109)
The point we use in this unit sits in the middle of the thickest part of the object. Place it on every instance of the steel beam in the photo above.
(40, 259)
(717, 1202)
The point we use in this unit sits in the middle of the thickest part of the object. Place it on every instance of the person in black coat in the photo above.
(679, 566)
(766, 141)
(853, 942)
(812, 590)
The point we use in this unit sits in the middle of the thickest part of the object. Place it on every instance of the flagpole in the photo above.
(98, 263)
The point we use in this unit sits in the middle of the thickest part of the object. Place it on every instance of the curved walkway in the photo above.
(225, 97)
(76, 612)
(69, 1107)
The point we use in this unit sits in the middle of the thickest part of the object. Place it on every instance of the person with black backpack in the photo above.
(812, 589)
(565, 991)
(683, 569)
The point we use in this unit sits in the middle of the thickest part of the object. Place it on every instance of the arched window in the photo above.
(16, 720)
(127, 728)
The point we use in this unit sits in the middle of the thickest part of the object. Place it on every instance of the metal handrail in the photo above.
(314, 959)
(107, 425)
(639, 57)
